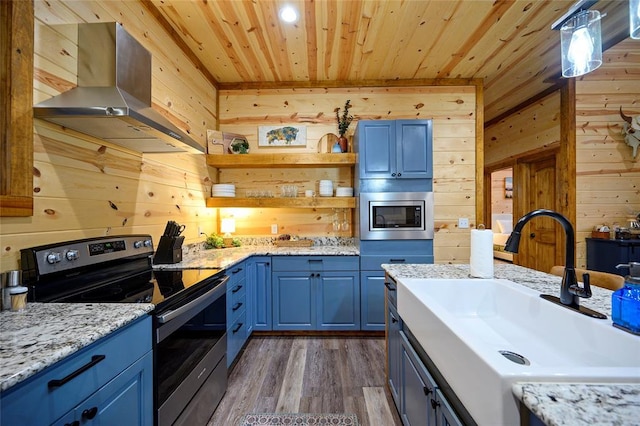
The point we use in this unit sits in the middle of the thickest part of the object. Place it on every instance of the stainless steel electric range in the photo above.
(189, 319)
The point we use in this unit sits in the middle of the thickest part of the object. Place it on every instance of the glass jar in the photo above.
(625, 305)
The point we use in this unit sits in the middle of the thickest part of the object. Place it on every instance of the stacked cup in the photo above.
(326, 188)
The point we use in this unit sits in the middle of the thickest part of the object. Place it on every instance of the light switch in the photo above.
(274, 228)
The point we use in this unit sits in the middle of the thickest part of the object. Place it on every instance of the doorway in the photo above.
(501, 214)
(542, 241)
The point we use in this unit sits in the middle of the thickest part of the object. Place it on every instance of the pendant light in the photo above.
(634, 19)
(581, 43)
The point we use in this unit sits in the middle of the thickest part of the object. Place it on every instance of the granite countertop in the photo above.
(45, 333)
(554, 403)
(225, 258)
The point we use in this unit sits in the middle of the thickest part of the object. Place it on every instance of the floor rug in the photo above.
(301, 419)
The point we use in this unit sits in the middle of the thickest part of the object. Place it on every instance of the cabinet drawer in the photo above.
(236, 303)
(314, 263)
(236, 336)
(42, 398)
(236, 273)
(373, 262)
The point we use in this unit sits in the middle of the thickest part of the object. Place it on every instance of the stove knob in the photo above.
(53, 258)
(72, 255)
(137, 244)
(148, 243)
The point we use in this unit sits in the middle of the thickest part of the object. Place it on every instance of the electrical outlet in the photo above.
(463, 222)
(274, 228)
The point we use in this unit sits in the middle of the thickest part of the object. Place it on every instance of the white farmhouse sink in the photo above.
(464, 324)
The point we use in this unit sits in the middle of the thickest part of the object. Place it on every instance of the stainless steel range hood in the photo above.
(113, 98)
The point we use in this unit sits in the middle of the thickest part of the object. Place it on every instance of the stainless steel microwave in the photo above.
(396, 216)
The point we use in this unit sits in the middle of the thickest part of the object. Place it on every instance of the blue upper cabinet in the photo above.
(394, 149)
(413, 149)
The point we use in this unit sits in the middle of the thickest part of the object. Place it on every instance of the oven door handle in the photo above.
(203, 301)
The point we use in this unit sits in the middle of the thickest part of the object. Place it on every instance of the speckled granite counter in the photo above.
(224, 258)
(45, 333)
(554, 403)
(559, 404)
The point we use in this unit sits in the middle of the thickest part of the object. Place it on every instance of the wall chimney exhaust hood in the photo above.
(113, 98)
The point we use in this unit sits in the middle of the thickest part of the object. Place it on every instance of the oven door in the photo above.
(396, 216)
(190, 355)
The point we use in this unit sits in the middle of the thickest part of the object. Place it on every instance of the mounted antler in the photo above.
(630, 127)
(626, 117)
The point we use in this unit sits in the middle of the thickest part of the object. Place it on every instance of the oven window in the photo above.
(385, 217)
(178, 354)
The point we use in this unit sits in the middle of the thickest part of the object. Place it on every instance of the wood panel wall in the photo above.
(608, 176)
(84, 187)
(528, 131)
(452, 109)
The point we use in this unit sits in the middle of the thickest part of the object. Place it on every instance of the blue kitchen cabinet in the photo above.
(293, 301)
(372, 255)
(108, 382)
(338, 306)
(372, 300)
(316, 293)
(418, 388)
(394, 149)
(237, 325)
(394, 353)
(259, 293)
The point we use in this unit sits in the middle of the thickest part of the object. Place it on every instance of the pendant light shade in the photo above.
(634, 19)
(581, 43)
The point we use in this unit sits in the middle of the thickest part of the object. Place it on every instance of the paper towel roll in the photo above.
(481, 258)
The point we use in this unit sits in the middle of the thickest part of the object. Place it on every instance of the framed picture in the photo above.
(508, 187)
(287, 135)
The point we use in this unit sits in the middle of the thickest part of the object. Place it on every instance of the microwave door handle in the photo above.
(203, 301)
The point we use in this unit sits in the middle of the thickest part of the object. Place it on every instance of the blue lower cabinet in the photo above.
(417, 395)
(122, 401)
(338, 306)
(236, 336)
(418, 389)
(315, 293)
(259, 294)
(237, 325)
(293, 301)
(109, 382)
(372, 300)
(394, 354)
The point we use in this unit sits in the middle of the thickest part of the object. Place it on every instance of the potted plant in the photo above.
(343, 126)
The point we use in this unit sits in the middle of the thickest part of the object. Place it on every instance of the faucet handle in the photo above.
(585, 290)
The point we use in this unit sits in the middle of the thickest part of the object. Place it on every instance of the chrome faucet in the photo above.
(570, 291)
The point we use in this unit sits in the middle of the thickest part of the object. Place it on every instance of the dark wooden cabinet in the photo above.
(604, 255)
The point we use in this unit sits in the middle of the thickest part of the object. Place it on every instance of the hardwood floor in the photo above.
(309, 375)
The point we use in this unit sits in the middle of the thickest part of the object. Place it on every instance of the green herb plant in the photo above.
(345, 120)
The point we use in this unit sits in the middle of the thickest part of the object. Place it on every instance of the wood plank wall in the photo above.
(84, 187)
(528, 131)
(451, 107)
(608, 177)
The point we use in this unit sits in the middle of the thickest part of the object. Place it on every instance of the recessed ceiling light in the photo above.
(288, 14)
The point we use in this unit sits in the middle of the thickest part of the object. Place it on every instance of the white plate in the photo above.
(224, 186)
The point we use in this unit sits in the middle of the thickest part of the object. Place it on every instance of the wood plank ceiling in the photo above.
(508, 44)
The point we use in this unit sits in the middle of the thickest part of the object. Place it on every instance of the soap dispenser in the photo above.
(625, 302)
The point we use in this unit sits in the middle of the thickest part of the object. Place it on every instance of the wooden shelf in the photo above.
(229, 161)
(277, 202)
